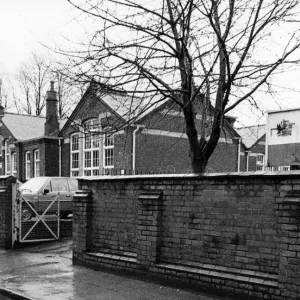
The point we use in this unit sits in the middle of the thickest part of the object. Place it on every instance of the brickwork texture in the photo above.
(237, 233)
(6, 211)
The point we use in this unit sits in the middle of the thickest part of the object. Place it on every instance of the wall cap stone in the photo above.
(256, 174)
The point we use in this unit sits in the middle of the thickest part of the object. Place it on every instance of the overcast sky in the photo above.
(27, 24)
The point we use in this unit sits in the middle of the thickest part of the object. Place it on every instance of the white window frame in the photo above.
(260, 161)
(284, 168)
(259, 167)
(27, 165)
(74, 151)
(37, 163)
(91, 150)
(1, 146)
(7, 157)
(14, 169)
(108, 147)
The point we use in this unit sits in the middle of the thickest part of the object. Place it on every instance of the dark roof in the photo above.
(25, 127)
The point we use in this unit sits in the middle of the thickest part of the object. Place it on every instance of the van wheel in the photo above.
(63, 215)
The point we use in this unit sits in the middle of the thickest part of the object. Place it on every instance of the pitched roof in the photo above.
(250, 135)
(25, 127)
(118, 102)
(129, 107)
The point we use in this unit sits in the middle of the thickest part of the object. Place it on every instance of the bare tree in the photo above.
(226, 50)
(6, 92)
(33, 78)
(3, 93)
(68, 93)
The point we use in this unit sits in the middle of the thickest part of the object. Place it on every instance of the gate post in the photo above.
(6, 214)
(82, 214)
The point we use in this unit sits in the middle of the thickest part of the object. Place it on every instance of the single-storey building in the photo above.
(99, 139)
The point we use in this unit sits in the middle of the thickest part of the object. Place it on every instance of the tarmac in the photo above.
(45, 272)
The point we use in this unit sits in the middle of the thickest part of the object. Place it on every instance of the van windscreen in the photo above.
(33, 184)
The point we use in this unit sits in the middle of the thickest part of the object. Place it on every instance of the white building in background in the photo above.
(283, 140)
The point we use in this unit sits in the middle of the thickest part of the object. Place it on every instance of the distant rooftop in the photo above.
(251, 134)
(26, 127)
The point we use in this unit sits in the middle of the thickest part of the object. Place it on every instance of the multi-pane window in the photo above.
(260, 158)
(27, 165)
(75, 155)
(7, 157)
(108, 151)
(259, 168)
(91, 157)
(284, 168)
(36, 163)
(14, 164)
(91, 151)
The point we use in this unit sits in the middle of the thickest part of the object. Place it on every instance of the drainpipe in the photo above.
(248, 155)
(59, 157)
(239, 154)
(267, 143)
(134, 147)
(239, 157)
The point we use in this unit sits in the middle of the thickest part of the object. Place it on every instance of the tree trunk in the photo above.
(199, 165)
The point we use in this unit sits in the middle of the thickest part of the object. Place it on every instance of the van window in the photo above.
(34, 184)
(73, 184)
(59, 184)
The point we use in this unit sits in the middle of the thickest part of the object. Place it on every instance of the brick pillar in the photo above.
(82, 219)
(6, 183)
(150, 209)
(289, 261)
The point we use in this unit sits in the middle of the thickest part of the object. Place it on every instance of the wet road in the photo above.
(46, 272)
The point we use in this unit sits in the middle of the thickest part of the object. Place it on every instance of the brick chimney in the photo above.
(51, 125)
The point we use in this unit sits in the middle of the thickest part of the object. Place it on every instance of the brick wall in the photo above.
(50, 164)
(6, 211)
(48, 148)
(280, 155)
(155, 152)
(65, 159)
(238, 234)
(163, 154)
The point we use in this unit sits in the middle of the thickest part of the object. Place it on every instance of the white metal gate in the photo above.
(33, 222)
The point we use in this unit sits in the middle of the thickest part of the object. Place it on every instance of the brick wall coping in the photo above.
(6, 176)
(257, 174)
